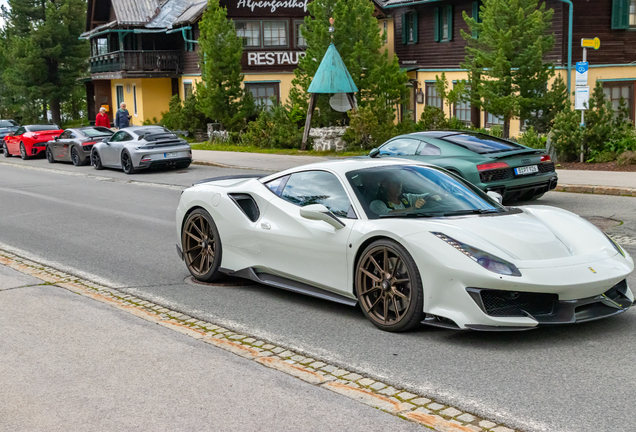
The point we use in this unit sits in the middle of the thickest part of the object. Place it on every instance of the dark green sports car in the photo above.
(516, 172)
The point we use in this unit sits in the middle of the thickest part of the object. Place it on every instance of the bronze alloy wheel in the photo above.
(389, 287)
(201, 246)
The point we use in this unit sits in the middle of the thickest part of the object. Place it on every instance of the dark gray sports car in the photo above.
(75, 145)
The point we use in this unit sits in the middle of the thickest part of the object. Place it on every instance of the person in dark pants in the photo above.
(122, 117)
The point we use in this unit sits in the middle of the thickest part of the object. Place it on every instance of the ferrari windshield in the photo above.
(417, 191)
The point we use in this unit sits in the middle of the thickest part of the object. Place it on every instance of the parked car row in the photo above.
(130, 149)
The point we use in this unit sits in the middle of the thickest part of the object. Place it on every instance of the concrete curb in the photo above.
(599, 190)
(378, 394)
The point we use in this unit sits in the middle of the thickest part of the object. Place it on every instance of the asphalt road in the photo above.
(575, 378)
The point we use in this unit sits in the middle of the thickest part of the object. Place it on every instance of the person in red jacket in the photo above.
(102, 118)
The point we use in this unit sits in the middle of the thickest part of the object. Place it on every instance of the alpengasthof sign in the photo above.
(274, 58)
(273, 4)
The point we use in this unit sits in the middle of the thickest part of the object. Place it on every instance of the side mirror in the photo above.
(373, 153)
(322, 213)
(56, 137)
(495, 195)
(105, 140)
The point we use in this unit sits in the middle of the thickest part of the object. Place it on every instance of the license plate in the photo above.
(527, 170)
(168, 155)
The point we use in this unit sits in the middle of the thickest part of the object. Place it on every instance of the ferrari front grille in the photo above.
(499, 303)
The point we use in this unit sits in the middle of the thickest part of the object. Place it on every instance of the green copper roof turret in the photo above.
(332, 75)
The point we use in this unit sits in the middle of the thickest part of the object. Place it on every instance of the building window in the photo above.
(250, 32)
(385, 27)
(623, 14)
(443, 23)
(100, 46)
(135, 99)
(264, 94)
(300, 39)
(432, 97)
(492, 120)
(463, 110)
(274, 33)
(615, 91)
(409, 27)
(632, 13)
(187, 89)
(120, 95)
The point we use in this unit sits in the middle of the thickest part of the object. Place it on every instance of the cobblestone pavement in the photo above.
(409, 406)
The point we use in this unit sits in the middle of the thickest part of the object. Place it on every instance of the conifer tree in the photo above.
(506, 57)
(221, 96)
(43, 51)
(358, 39)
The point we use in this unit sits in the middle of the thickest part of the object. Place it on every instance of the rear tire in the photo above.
(201, 246)
(127, 163)
(49, 155)
(5, 150)
(183, 165)
(96, 161)
(75, 157)
(23, 153)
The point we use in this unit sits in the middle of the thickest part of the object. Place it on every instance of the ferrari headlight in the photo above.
(484, 259)
(618, 248)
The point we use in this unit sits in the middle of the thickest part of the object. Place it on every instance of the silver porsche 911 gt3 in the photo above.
(141, 147)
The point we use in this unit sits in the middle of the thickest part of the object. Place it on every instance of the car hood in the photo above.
(538, 236)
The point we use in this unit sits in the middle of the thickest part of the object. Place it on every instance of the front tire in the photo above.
(127, 163)
(201, 246)
(5, 150)
(49, 155)
(389, 287)
(96, 161)
(23, 152)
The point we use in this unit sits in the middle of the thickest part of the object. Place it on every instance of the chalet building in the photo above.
(428, 42)
(145, 51)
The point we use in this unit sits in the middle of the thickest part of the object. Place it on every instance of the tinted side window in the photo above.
(277, 185)
(65, 135)
(125, 137)
(20, 131)
(317, 187)
(430, 150)
(400, 147)
(117, 137)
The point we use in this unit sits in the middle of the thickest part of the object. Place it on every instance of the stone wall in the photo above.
(329, 138)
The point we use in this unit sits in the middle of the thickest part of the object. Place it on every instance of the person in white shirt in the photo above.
(391, 198)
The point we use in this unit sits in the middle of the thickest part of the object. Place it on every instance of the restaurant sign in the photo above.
(274, 58)
(273, 4)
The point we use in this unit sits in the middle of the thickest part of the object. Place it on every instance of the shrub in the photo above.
(567, 133)
(432, 118)
(626, 158)
(496, 131)
(601, 156)
(184, 115)
(273, 129)
(530, 138)
(366, 130)
(456, 124)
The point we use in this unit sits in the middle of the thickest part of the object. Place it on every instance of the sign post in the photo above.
(582, 91)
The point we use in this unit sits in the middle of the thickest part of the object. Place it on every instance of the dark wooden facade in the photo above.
(591, 19)
(269, 59)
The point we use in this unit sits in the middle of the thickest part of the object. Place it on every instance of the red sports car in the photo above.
(30, 140)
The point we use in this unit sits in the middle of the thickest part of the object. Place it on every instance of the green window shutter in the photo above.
(414, 27)
(449, 12)
(436, 26)
(620, 14)
(404, 30)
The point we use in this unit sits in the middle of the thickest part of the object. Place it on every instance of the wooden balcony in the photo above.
(137, 61)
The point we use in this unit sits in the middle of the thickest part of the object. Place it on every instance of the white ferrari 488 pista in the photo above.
(409, 242)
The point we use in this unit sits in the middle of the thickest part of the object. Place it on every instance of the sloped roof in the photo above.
(135, 12)
(332, 75)
(172, 11)
(191, 14)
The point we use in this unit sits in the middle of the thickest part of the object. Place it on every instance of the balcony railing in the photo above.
(137, 61)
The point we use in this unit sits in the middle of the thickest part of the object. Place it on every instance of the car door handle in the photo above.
(266, 225)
